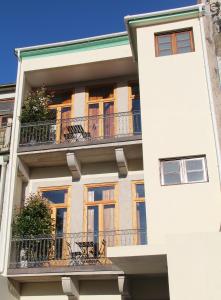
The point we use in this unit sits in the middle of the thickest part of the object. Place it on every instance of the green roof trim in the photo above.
(164, 17)
(76, 47)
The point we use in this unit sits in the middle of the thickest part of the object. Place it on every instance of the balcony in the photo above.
(80, 131)
(75, 252)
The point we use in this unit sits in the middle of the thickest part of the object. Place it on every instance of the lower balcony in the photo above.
(81, 131)
(77, 252)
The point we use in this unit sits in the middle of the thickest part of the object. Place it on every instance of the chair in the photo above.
(75, 256)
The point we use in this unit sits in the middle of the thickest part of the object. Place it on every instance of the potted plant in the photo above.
(33, 228)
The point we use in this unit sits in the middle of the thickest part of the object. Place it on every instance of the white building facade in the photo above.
(130, 163)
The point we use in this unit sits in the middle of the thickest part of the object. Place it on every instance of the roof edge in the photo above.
(18, 51)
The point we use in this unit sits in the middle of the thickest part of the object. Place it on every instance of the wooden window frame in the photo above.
(136, 200)
(101, 102)
(101, 204)
(183, 171)
(61, 205)
(58, 108)
(173, 35)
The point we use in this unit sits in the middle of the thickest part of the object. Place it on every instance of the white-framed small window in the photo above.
(183, 170)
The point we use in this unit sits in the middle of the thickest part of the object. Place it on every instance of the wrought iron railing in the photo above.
(77, 249)
(83, 129)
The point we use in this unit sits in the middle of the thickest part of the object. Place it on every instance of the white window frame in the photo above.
(183, 170)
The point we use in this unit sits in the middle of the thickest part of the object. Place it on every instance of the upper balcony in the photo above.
(91, 121)
(88, 130)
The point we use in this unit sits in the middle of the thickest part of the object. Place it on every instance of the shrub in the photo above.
(34, 219)
(35, 107)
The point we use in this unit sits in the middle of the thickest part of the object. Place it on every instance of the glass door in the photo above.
(140, 213)
(108, 121)
(59, 204)
(100, 208)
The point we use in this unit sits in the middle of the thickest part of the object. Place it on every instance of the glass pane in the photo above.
(164, 39)
(60, 220)
(93, 122)
(165, 52)
(171, 166)
(101, 193)
(136, 105)
(140, 190)
(195, 176)
(135, 90)
(183, 44)
(92, 219)
(141, 223)
(136, 116)
(101, 92)
(184, 50)
(183, 36)
(55, 197)
(172, 178)
(61, 97)
(108, 121)
(109, 217)
(165, 47)
(194, 164)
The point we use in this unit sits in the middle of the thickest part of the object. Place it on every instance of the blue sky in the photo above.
(34, 22)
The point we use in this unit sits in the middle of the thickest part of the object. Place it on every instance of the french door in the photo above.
(101, 214)
(59, 203)
(101, 108)
(140, 220)
(101, 119)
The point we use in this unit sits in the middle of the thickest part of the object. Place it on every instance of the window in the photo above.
(100, 211)
(140, 222)
(174, 42)
(59, 203)
(183, 170)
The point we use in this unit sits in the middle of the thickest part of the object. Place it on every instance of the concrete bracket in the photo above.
(121, 162)
(123, 286)
(70, 287)
(23, 171)
(74, 165)
(14, 288)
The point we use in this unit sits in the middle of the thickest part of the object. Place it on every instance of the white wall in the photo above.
(194, 266)
(176, 121)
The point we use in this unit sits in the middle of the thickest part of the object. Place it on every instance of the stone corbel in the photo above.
(124, 287)
(121, 162)
(14, 288)
(70, 287)
(74, 166)
(23, 170)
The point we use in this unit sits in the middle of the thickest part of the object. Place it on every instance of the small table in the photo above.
(86, 246)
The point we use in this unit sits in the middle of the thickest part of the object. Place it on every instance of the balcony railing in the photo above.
(70, 250)
(83, 129)
(5, 136)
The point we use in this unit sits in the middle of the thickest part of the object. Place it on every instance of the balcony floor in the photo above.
(45, 156)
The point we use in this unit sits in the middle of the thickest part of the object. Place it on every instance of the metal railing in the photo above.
(5, 135)
(77, 249)
(83, 129)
